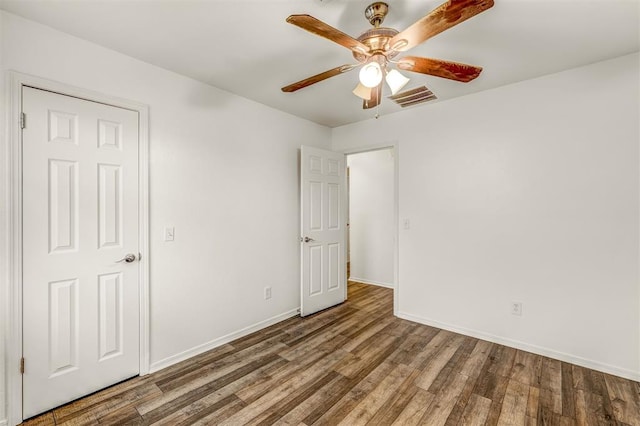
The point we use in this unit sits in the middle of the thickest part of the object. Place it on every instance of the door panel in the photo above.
(334, 266)
(323, 192)
(63, 205)
(110, 331)
(63, 326)
(80, 215)
(109, 203)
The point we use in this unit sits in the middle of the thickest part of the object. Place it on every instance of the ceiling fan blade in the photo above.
(318, 77)
(317, 27)
(439, 68)
(443, 17)
(376, 94)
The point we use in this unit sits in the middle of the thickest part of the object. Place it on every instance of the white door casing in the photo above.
(80, 215)
(323, 230)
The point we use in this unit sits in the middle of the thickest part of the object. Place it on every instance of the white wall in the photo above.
(224, 172)
(3, 242)
(371, 221)
(525, 193)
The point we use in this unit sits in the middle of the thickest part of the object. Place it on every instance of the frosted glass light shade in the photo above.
(370, 74)
(362, 91)
(396, 81)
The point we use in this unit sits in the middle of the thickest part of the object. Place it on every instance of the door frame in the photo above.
(394, 146)
(12, 223)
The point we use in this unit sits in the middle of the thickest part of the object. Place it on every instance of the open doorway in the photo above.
(371, 217)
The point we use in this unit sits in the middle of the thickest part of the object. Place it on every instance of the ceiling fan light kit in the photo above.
(396, 81)
(362, 92)
(370, 74)
(375, 49)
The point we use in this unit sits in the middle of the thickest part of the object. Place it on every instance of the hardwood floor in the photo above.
(357, 364)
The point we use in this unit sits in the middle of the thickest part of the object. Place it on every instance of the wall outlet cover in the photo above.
(516, 308)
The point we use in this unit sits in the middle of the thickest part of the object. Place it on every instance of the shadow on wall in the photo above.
(217, 97)
(208, 99)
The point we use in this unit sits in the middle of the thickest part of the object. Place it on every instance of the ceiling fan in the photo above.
(375, 49)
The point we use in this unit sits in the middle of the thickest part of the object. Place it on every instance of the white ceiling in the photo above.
(247, 48)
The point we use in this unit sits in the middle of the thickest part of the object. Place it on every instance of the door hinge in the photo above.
(22, 365)
(23, 120)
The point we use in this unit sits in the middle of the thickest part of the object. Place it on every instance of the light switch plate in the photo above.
(169, 233)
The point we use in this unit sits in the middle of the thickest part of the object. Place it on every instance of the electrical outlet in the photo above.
(267, 293)
(516, 308)
(169, 233)
(407, 224)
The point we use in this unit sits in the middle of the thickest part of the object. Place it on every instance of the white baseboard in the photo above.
(561, 356)
(3, 422)
(197, 350)
(370, 282)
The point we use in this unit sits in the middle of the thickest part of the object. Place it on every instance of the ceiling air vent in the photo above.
(413, 97)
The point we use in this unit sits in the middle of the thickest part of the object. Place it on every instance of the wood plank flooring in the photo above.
(356, 364)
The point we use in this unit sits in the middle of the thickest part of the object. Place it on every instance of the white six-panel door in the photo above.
(323, 218)
(80, 216)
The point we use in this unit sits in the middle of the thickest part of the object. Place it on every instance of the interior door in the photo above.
(80, 221)
(323, 210)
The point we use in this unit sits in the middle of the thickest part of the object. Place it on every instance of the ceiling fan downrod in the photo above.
(376, 12)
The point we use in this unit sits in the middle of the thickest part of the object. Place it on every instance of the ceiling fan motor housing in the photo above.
(376, 39)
